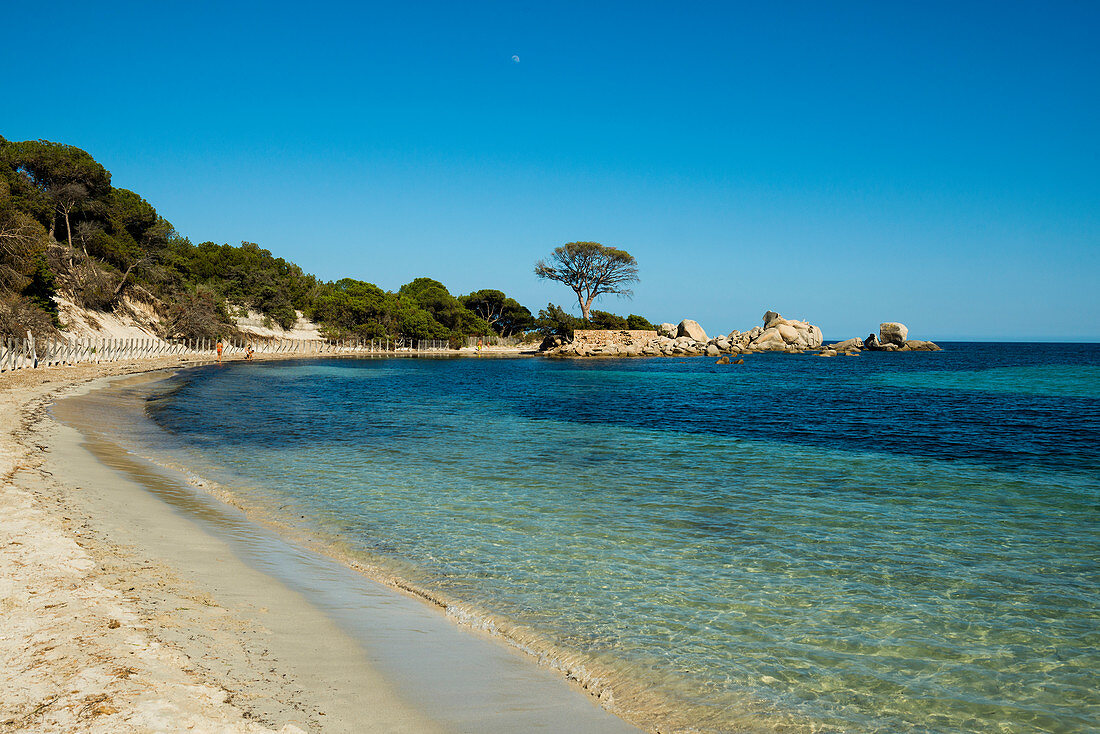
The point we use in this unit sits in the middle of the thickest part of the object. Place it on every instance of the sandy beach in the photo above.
(131, 604)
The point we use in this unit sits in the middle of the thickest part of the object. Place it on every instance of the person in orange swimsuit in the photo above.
(220, 347)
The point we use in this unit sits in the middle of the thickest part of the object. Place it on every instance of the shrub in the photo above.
(42, 289)
(605, 320)
(19, 314)
(196, 315)
(95, 288)
(554, 321)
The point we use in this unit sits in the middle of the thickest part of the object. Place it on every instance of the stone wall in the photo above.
(618, 337)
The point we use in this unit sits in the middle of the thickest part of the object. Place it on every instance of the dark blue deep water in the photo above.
(891, 542)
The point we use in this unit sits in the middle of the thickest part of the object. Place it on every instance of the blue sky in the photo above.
(846, 163)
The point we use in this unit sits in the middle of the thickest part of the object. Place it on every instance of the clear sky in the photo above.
(846, 163)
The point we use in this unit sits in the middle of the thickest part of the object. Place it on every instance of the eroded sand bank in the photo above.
(130, 606)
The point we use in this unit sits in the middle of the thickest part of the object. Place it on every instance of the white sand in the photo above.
(132, 320)
(254, 322)
(75, 652)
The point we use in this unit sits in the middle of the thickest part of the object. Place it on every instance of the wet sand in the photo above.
(138, 603)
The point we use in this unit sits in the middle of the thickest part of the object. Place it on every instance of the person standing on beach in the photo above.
(219, 348)
(480, 344)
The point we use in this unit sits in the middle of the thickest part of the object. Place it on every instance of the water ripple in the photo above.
(890, 543)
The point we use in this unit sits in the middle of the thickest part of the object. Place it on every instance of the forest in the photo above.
(65, 230)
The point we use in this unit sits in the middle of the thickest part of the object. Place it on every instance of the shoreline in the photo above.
(601, 684)
(186, 633)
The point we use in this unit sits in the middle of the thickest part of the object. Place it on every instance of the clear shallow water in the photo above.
(897, 542)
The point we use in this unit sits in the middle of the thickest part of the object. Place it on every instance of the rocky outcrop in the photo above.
(877, 343)
(847, 344)
(782, 335)
(892, 332)
(777, 334)
(692, 330)
(769, 340)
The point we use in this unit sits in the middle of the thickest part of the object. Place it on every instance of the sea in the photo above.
(894, 542)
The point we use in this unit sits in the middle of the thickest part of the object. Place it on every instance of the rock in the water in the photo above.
(853, 343)
(780, 334)
(723, 360)
(740, 361)
(712, 350)
(891, 332)
(872, 343)
(692, 329)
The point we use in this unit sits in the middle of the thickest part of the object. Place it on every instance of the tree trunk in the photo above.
(68, 229)
(121, 283)
(586, 307)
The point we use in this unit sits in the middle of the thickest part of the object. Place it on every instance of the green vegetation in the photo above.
(554, 321)
(66, 231)
(422, 309)
(504, 315)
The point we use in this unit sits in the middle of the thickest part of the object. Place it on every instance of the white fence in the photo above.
(30, 353)
(493, 340)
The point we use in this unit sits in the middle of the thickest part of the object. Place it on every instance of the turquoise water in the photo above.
(898, 542)
(1074, 381)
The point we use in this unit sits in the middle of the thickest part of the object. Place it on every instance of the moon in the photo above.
(515, 59)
